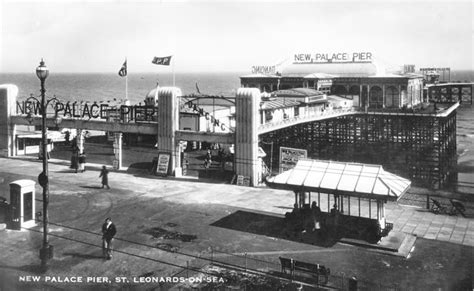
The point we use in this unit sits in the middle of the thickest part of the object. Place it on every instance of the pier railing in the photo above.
(443, 110)
(310, 116)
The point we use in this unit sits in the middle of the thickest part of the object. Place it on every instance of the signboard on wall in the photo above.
(163, 164)
(336, 57)
(290, 156)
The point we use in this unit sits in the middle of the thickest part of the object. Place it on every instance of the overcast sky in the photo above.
(96, 36)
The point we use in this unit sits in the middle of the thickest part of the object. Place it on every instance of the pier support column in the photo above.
(246, 135)
(117, 150)
(8, 94)
(168, 123)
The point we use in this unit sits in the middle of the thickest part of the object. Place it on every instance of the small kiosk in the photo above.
(22, 204)
(335, 183)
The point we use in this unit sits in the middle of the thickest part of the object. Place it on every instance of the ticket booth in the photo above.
(22, 204)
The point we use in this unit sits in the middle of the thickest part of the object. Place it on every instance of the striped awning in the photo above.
(351, 179)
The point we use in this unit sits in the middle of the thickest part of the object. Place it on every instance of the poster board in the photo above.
(290, 156)
(163, 164)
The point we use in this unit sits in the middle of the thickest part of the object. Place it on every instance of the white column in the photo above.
(246, 135)
(384, 99)
(117, 150)
(8, 94)
(80, 140)
(168, 123)
(400, 101)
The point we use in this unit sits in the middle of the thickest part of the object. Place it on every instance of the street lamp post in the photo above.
(46, 251)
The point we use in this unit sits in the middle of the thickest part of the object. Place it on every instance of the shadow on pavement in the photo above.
(35, 269)
(83, 256)
(92, 187)
(272, 226)
(71, 171)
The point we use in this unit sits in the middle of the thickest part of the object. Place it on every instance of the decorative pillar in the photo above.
(117, 151)
(168, 123)
(8, 94)
(246, 136)
(80, 140)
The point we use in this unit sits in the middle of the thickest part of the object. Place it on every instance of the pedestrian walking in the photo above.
(104, 173)
(67, 137)
(75, 159)
(108, 233)
(208, 159)
(82, 162)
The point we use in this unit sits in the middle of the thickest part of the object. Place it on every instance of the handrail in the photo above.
(330, 113)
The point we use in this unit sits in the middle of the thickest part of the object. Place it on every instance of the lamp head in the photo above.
(42, 71)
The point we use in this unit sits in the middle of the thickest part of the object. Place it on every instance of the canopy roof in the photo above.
(351, 179)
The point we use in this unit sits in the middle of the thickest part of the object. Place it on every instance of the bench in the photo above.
(304, 267)
(457, 207)
(436, 207)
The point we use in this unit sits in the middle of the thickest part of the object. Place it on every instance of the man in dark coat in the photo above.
(108, 233)
(105, 177)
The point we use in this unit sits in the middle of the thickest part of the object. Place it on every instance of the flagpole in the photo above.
(173, 72)
(126, 88)
(126, 83)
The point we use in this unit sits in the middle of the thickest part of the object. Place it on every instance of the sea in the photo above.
(111, 87)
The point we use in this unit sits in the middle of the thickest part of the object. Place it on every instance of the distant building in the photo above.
(364, 83)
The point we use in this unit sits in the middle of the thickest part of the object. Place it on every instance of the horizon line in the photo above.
(176, 72)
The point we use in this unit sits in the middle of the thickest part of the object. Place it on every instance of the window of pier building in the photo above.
(340, 90)
(376, 97)
(325, 89)
(391, 97)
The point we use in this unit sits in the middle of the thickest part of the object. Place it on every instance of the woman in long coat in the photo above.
(105, 178)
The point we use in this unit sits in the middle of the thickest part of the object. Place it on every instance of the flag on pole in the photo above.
(165, 61)
(123, 70)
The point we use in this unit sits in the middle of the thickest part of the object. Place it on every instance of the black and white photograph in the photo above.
(236, 145)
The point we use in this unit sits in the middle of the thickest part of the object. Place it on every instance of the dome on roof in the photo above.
(151, 94)
(337, 69)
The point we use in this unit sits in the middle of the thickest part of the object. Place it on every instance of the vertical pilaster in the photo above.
(117, 150)
(400, 101)
(384, 99)
(8, 94)
(80, 140)
(246, 135)
(168, 123)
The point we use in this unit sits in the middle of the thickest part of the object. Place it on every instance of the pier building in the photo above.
(362, 82)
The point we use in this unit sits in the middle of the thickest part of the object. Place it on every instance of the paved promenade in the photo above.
(140, 204)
